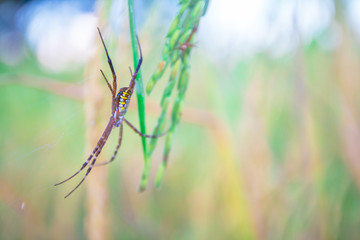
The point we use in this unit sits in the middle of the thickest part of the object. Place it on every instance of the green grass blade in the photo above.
(140, 94)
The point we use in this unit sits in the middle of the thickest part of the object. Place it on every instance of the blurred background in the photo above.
(268, 147)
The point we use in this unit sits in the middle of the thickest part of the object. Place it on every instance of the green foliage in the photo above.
(176, 57)
(272, 163)
(139, 87)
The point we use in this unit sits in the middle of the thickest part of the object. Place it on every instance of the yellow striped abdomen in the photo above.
(124, 100)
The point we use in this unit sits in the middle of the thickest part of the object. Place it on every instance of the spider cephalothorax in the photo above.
(120, 104)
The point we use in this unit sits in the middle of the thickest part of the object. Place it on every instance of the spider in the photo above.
(120, 103)
(187, 43)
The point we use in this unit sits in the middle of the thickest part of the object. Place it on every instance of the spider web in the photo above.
(34, 133)
(43, 140)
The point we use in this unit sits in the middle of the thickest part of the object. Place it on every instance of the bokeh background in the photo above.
(268, 147)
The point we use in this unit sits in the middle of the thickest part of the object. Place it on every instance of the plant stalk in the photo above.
(140, 94)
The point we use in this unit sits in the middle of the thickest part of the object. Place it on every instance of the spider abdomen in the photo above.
(124, 101)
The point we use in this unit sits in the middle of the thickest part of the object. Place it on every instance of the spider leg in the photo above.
(101, 144)
(144, 135)
(116, 149)
(110, 63)
(108, 84)
(88, 170)
(96, 151)
(132, 82)
(82, 167)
